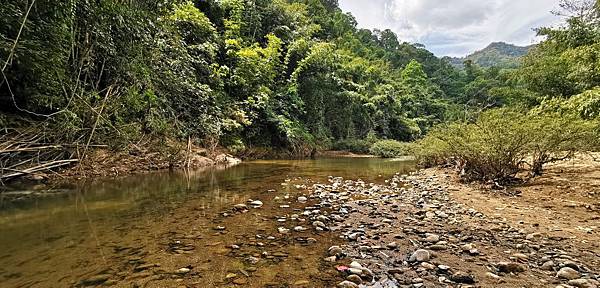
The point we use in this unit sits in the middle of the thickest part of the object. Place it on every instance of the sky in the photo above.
(456, 27)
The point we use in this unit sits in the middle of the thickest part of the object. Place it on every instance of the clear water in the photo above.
(167, 220)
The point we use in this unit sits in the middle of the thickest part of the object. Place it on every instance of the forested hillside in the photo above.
(498, 54)
(289, 74)
(295, 75)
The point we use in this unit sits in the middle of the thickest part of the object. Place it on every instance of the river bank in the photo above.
(429, 230)
(293, 226)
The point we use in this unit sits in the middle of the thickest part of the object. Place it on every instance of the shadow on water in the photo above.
(53, 241)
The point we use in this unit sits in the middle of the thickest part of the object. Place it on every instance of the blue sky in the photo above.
(456, 27)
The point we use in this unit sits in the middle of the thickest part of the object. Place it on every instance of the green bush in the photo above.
(390, 149)
(353, 145)
(501, 143)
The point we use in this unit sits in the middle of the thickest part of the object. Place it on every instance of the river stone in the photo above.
(354, 278)
(510, 267)
(432, 238)
(183, 270)
(330, 259)
(548, 265)
(347, 284)
(302, 199)
(461, 277)
(283, 230)
(301, 282)
(492, 275)
(252, 260)
(256, 203)
(420, 255)
(582, 283)
(299, 229)
(334, 250)
(567, 273)
(318, 224)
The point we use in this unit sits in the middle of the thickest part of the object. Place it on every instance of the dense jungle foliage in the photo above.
(291, 74)
(294, 74)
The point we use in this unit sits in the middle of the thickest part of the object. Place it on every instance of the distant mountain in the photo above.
(499, 54)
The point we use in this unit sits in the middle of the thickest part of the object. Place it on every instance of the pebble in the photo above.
(548, 265)
(354, 279)
(461, 277)
(583, 283)
(433, 238)
(334, 250)
(510, 267)
(256, 204)
(420, 255)
(347, 284)
(567, 273)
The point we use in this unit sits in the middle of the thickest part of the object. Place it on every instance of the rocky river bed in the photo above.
(404, 232)
(411, 230)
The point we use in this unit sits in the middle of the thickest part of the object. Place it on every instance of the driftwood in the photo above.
(26, 153)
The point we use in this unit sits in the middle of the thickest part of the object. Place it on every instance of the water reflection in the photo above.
(58, 239)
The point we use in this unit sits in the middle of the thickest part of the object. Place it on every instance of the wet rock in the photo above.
(183, 270)
(283, 230)
(302, 199)
(567, 273)
(510, 267)
(219, 228)
(420, 255)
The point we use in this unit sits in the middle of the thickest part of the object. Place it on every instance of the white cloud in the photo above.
(455, 27)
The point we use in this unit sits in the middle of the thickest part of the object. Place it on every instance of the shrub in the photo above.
(501, 143)
(390, 149)
(353, 145)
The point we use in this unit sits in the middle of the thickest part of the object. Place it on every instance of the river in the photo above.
(177, 229)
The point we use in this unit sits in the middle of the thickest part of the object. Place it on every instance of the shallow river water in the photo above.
(140, 231)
